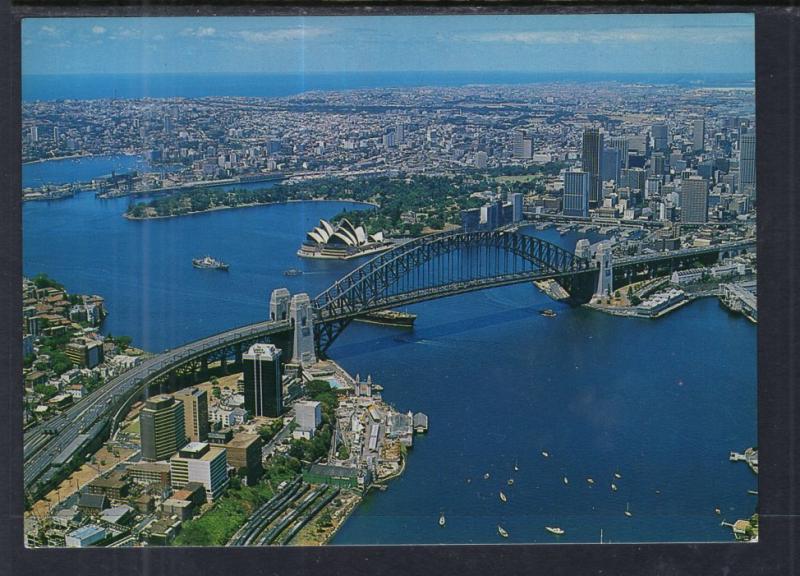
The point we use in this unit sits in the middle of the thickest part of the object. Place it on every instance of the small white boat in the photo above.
(617, 475)
(545, 454)
(565, 480)
(554, 530)
(516, 468)
(503, 497)
(486, 476)
(510, 481)
(502, 531)
(627, 510)
(590, 481)
(717, 511)
(442, 521)
(613, 487)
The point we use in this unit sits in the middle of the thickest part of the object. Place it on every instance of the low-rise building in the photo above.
(244, 453)
(85, 536)
(150, 473)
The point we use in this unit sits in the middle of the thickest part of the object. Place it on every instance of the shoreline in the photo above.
(250, 205)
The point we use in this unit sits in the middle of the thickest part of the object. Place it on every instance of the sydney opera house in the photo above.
(341, 241)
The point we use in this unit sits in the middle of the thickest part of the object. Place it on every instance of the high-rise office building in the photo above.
(263, 392)
(516, 206)
(694, 200)
(195, 413)
(591, 162)
(698, 134)
(621, 144)
(747, 162)
(34, 133)
(660, 137)
(657, 163)
(522, 145)
(576, 193)
(202, 463)
(611, 164)
(162, 427)
(399, 133)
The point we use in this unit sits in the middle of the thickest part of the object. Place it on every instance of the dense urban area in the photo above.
(277, 448)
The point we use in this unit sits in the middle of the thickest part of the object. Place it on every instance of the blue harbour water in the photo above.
(81, 169)
(661, 402)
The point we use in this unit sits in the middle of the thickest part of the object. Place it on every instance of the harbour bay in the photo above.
(499, 382)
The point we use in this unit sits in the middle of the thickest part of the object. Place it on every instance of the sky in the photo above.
(678, 43)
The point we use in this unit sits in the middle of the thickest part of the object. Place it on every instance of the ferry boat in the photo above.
(502, 531)
(293, 272)
(503, 497)
(442, 520)
(389, 318)
(554, 530)
(209, 263)
(547, 312)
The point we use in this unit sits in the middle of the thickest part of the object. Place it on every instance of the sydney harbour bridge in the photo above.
(426, 268)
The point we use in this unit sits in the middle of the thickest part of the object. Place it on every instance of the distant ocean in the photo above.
(93, 87)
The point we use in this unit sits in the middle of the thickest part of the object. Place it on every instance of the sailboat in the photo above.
(617, 475)
(565, 480)
(503, 497)
(442, 520)
(627, 510)
(613, 487)
(502, 531)
(516, 468)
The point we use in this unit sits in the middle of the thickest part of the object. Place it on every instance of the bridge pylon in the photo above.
(300, 316)
(279, 302)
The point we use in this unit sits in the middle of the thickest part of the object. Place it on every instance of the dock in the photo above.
(750, 456)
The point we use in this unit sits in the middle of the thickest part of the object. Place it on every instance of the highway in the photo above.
(47, 441)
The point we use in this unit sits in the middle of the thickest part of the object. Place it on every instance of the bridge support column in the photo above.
(279, 302)
(303, 350)
(605, 280)
(224, 364)
(237, 352)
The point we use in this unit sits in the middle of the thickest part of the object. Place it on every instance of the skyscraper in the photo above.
(621, 144)
(522, 145)
(657, 163)
(576, 193)
(698, 135)
(611, 164)
(263, 393)
(747, 163)
(694, 200)
(162, 428)
(195, 413)
(516, 206)
(660, 137)
(591, 161)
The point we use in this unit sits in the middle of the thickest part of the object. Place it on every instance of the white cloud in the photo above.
(282, 34)
(201, 32)
(98, 30)
(695, 35)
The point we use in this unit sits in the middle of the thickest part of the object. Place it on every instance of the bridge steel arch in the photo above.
(444, 264)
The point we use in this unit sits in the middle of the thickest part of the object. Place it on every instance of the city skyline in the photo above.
(270, 45)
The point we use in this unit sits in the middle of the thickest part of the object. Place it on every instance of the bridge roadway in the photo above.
(684, 252)
(46, 441)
